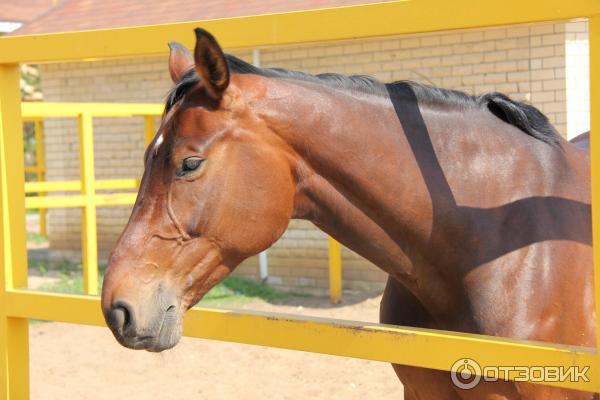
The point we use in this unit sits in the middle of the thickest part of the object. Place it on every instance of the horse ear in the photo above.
(180, 61)
(211, 64)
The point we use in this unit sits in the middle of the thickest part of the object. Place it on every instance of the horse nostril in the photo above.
(121, 318)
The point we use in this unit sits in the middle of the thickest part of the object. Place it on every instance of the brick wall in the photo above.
(525, 62)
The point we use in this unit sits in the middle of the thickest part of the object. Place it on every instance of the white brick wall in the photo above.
(525, 62)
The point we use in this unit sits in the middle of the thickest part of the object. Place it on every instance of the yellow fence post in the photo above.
(594, 38)
(149, 129)
(88, 229)
(40, 162)
(335, 271)
(14, 332)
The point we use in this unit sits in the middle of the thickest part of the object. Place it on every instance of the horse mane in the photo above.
(519, 114)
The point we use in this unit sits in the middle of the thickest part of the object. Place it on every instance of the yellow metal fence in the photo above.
(410, 346)
(87, 199)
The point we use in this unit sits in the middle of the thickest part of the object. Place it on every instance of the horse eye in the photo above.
(189, 164)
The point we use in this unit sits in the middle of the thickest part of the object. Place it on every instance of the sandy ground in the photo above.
(82, 362)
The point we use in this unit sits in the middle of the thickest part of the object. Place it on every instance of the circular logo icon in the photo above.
(465, 373)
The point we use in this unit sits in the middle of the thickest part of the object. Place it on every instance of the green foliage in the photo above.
(68, 283)
(36, 238)
(31, 84)
(64, 267)
(29, 148)
(231, 291)
(240, 290)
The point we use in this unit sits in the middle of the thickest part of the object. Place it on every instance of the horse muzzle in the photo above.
(155, 329)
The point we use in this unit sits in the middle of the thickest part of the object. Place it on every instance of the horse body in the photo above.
(492, 261)
(482, 227)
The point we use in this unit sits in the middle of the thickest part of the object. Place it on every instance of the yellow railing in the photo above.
(87, 199)
(409, 346)
(35, 113)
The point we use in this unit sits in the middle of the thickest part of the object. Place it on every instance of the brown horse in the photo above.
(475, 207)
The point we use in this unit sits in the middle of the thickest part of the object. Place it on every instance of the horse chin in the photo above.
(168, 336)
(165, 341)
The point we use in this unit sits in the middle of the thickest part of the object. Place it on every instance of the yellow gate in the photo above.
(410, 346)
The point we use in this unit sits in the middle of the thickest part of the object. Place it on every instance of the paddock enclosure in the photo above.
(409, 346)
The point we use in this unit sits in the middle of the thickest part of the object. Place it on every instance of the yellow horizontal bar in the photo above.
(410, 346)
(107, 184)
(54, 201)
(52, 186)
(67, 186)
(34, 168)
(340, 23)
(50, 109)
(100, 200)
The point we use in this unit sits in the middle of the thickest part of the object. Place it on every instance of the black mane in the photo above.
(522, 115)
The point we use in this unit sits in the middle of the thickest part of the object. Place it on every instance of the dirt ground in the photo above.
(82, 362)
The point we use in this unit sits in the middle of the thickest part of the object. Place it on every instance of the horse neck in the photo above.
(386, 177)
(359, 181)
